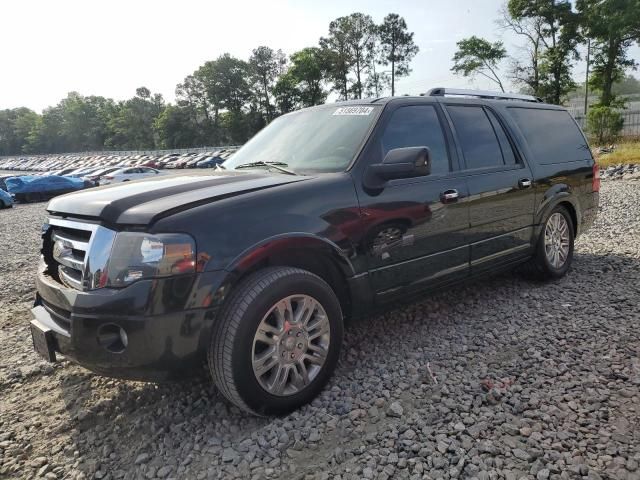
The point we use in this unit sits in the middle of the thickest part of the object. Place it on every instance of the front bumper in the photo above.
(167, 323)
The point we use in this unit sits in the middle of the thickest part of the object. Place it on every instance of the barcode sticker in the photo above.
(353, 111)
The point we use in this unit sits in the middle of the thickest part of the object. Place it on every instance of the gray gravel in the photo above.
(504, 378)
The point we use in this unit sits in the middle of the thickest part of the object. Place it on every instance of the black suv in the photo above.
(328, 213)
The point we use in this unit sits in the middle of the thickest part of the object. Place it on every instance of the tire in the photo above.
(541, 267)
(236, 347)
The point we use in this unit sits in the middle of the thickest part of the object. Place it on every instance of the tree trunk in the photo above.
(393, 78)
(536, 70)
(358, 78)
(267, 105)
(607, 74)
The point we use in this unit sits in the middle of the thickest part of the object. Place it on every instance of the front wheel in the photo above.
(554, 251)
(276, 341)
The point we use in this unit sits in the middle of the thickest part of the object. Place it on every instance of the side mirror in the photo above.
(399, 163)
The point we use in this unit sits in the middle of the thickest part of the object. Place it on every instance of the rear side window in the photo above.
(552, 135)
(417, 126)
(477, 137)
(507, 150)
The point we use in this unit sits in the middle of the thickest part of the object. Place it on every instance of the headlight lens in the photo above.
(135, 256)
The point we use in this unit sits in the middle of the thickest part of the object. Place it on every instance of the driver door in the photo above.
(416, 227)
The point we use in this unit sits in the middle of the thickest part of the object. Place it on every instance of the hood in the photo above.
(145, 201)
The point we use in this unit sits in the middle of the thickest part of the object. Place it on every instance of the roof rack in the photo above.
(441, 92)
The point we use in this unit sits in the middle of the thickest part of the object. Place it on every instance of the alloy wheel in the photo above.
(557, 240)
(290, 345)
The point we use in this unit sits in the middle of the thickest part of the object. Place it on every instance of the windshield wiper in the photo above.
(277, 165)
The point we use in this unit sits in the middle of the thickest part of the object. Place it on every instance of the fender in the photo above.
(558, 193)
(291, 241)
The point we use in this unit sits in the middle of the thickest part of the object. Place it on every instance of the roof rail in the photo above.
(441, 92)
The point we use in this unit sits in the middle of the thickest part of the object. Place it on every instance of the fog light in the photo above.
(113, 338)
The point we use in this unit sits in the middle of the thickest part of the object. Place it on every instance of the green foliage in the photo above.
(175, 127)
(350, 49)
(337, 55)
(627, 85)
(477, 56)
(309, 69)
(604, 124)
(554, 29)
(225, 100)
(132, 125)
(614, 26)
(15, 127)
(265, 65)
(397, 46)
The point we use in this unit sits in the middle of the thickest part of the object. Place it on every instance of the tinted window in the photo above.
(417, 126)
(507, 150)
(476, 136)
(552, 135)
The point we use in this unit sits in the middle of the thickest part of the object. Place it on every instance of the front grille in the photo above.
(76, 253)
(69, 249)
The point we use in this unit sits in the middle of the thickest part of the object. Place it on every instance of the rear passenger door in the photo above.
(501, 200)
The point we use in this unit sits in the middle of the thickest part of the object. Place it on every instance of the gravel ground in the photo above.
(505, 378)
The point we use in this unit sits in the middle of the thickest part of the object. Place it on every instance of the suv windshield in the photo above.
(321, 139)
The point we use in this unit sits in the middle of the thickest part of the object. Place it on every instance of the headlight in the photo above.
(135, 256)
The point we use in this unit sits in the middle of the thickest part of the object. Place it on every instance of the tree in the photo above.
(337, 55)
(604, 123)
(305, 77)
(525, 73)
(265, 67)
(132, 125)
(627, 85)
(175, 128)
(361, 38)
(477, 56)
(286, 93)
(377, 81)
(15, 126)
(397, 45)
(614, 26)
(556, 28)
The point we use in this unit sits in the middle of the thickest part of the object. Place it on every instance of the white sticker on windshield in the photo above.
(353, 111)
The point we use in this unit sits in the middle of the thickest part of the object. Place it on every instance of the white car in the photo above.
(127, 174)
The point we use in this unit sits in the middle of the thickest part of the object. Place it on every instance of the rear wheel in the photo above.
(554, 251)
(276, 341)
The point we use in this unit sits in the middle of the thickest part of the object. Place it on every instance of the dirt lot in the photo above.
(504, 378)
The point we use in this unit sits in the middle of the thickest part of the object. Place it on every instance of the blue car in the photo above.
(38, 189)
(5, 200)
(210, 162)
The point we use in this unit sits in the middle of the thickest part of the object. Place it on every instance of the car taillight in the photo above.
(108, 177)
(595, 185)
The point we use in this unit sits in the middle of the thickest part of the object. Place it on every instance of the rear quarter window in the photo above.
(552, 135)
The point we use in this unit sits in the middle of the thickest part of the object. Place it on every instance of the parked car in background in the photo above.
(128, 174)
(210, 162)
(34, 188)
(98, 174)
(6, 201)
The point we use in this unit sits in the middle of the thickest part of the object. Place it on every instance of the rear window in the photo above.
(477, 137)
(552, 135)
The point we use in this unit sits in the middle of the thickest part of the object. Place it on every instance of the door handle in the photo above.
(524, 183)
(449, 196)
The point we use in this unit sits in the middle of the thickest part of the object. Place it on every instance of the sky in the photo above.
(110, 48)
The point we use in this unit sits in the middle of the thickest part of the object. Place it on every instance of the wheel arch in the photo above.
(559, 195)
(307, 252)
